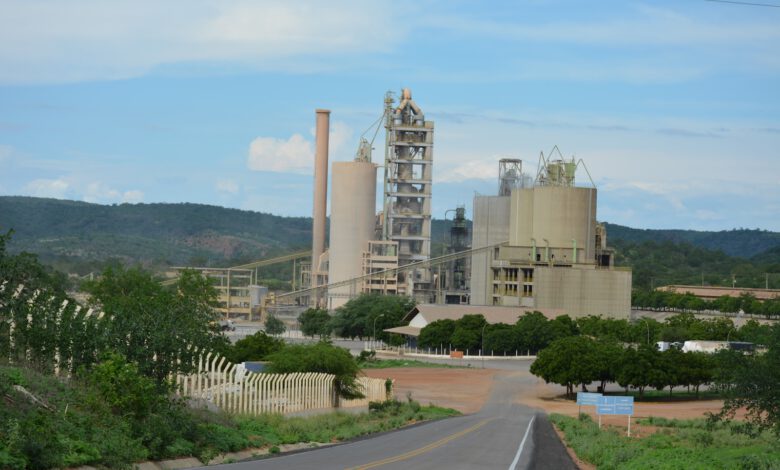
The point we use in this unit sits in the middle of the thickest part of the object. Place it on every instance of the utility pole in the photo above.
(766, 278)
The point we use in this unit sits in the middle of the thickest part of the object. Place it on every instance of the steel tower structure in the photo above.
(407, 185)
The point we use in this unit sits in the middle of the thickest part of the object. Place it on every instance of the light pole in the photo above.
(648, 329)
(483, 344)
(375, 319)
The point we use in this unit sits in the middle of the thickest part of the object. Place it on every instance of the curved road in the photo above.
(502, 435)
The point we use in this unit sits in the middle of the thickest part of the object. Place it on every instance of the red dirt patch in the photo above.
(462, 389)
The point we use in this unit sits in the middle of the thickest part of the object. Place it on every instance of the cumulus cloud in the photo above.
(295, 154)
(55, 188)
(474, 169)
(227, 186)
(100, 193)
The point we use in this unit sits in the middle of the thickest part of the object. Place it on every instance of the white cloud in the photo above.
(100, 193)
(296, 154)
(474, 169)
(55, 188)
(92, 39)
(133, 196)
(227, 186)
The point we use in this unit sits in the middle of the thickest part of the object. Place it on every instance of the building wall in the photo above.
(352, 221)
(491, 226)
(558, 214)
(583, 291)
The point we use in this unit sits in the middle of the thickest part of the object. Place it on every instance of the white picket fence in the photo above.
(235, 390)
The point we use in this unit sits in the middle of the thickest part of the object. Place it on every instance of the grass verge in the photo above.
(73, 424)
(689, 444)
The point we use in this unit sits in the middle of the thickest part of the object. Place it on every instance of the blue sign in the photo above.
(588, 399)
(615, 406)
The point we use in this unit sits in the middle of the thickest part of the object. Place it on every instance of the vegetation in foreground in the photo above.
(393, 363)
(114, 416)
(689, 444)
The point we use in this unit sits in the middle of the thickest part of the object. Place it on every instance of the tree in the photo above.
(274, 326)
(468, 332)
(639, 368)
(501, 338)
(162, 330)
(534, 331)
(437, 334)
(315, 322)
(752, 383)
(357, 318)
(253, 348)
(568, 362)
(321, 357)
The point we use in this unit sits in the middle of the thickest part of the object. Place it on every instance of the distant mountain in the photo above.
(81, 237)
(743, 243)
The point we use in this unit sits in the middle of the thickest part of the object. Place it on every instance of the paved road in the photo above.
(502, 435)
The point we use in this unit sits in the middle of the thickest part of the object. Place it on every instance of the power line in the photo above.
(751, 4)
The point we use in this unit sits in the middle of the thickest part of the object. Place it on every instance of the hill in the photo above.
(80, 237)
(744, 243)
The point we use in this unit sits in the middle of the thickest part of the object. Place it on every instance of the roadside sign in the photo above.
(588, 399)
(615, 406)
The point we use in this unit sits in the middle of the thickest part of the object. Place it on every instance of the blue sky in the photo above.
(673, 105)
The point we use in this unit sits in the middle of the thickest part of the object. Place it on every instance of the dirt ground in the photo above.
(462, 389)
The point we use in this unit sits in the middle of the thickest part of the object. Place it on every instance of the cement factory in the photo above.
(535, 245)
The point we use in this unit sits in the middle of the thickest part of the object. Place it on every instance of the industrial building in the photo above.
(556, 254)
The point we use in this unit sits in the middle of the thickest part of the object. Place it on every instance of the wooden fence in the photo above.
(235, 390)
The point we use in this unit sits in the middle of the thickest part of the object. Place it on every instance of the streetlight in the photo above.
(483, 344)
(648, 329)
(375, 319)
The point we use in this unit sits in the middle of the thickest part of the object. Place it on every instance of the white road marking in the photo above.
(522, 444)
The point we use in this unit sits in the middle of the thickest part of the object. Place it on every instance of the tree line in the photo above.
(533, 332)
(664, 300)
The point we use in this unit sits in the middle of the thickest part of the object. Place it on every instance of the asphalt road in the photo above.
(502, 435)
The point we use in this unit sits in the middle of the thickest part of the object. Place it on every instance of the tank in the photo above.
(352, 224)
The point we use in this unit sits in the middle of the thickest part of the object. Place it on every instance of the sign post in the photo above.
(586, 399)
(616, 406)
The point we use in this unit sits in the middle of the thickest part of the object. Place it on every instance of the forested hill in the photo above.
(81, 237)
(744, 243)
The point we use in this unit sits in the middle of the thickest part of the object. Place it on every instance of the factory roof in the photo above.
(713, 292)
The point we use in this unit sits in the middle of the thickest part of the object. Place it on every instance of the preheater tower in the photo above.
(407, 185)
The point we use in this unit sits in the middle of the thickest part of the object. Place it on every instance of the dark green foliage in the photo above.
(256, 347)
(155, 327)
(321, 357)
(468, 333)
(752, 382)
(274, 326)
(568, 362)
(361, 316)
(315, 322)
(437, 334)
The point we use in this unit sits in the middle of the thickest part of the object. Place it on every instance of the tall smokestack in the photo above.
(320, 191)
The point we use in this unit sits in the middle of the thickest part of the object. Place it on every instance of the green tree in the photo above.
(437, 334)
(253, 348)
(501, 339)
(357, 318)
(752, 383)
(468, 332)
(274, 326)
(315, 322)
(534, 331)
(568, 361)
(639, 368)
(321, 357)
(162, 330)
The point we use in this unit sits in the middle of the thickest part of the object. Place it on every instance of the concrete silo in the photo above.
(352, 225)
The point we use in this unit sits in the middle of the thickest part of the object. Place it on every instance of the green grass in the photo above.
(78, 427)
(689, 444)
(392, 363)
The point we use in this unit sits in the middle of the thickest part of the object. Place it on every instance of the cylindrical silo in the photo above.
(565, 217)
(352, 221)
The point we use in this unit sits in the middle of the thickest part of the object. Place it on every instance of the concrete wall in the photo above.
(352, 214)
(491, 226)
(581, 292)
